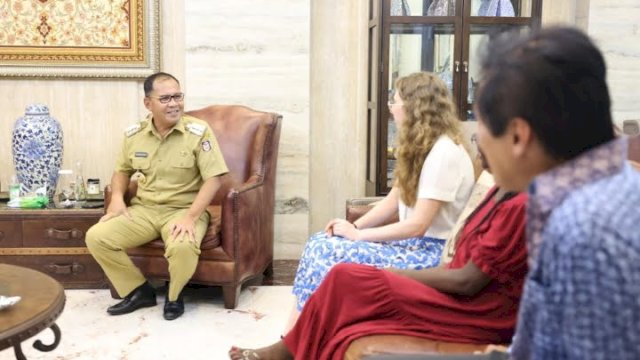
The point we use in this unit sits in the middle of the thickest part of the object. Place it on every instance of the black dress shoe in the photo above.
(173, 309)
(142, 296)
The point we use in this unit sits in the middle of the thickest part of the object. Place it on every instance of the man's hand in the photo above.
(341, 227)
(184, 226)
(117, 207)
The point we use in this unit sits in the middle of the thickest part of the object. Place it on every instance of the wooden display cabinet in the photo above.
(407, 36)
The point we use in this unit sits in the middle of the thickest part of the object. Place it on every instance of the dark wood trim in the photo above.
(482, 20)
(422, 19)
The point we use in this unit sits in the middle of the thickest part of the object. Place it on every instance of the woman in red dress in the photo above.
(472, 299)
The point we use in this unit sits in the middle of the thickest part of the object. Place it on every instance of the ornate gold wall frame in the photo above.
(79, 38)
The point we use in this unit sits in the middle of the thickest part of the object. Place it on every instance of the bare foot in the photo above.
(277, 351)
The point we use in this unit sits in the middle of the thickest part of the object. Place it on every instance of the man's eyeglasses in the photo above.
(165, 99)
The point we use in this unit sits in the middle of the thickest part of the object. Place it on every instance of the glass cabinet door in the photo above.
(502, 8)
(422, 8)
(439, 36)
(479, 35)
(414, 48)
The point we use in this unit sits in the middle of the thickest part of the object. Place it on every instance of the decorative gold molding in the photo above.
(67, 39)
(44, 251)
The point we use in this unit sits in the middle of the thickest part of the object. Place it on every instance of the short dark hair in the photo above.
(148, 82)
(553, 78)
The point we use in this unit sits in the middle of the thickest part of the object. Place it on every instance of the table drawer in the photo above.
(73, 271)
(10, 234)
(52, 233)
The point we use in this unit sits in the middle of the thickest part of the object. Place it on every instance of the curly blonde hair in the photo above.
(429, 113)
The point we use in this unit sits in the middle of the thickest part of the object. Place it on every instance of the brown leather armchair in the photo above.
(238, 245)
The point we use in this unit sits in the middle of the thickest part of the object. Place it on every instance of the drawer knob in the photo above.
(72, 234)
(67, 269)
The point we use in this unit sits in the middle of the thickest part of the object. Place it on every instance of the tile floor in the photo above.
(205, 331)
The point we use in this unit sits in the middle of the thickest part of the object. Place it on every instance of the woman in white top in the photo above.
(433, 180)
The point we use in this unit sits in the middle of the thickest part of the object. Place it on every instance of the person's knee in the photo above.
(181, 248)
(341, 273)
(323, 245)
(349, 274)
(94, 238)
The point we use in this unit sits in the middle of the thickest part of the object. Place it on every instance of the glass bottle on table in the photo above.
(14, 188)
(80, 190)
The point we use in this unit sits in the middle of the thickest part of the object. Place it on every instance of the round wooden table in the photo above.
(42, 302)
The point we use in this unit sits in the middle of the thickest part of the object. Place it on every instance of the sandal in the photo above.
(247, 354)
(250, 355)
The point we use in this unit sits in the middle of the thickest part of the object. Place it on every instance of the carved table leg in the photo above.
(57, 335)
(18, 351)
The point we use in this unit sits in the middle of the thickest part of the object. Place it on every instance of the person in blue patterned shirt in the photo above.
(545, 125)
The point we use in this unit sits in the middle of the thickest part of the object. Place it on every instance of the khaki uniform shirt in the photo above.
(174, 168)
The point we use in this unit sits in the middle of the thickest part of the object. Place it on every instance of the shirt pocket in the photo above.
(140, 163)
(185, 160)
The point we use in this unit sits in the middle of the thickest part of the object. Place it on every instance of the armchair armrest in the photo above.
(397, 346)
(247, 223)
(357, 207)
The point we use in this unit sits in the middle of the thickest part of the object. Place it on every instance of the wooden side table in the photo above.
(42, 302)
(51, 241)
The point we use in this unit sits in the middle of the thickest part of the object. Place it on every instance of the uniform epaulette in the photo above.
(133, 129)
(197, 129)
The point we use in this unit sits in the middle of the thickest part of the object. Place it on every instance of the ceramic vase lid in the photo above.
(36, 109)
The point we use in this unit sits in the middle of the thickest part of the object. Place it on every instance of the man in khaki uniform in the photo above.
(176, 161)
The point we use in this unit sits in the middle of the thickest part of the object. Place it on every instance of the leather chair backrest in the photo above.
(634, 148)
(241, 133)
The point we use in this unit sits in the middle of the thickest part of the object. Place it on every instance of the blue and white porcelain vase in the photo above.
(37, 149)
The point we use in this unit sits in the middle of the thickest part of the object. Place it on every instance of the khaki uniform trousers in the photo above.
(108, 242)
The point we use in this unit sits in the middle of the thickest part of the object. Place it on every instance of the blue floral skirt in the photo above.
(322, 252)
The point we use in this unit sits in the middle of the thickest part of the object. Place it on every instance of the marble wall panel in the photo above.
(559, 12)
(615, 26)
(256, 53)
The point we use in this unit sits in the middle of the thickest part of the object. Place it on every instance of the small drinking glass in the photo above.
(64, 197)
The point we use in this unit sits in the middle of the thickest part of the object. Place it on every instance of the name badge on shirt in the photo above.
(141, 154)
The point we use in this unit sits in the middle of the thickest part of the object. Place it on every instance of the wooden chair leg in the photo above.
(268, 272)
(114, 293)
(231, 293)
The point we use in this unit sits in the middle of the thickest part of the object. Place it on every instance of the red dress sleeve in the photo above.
(499, 248)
